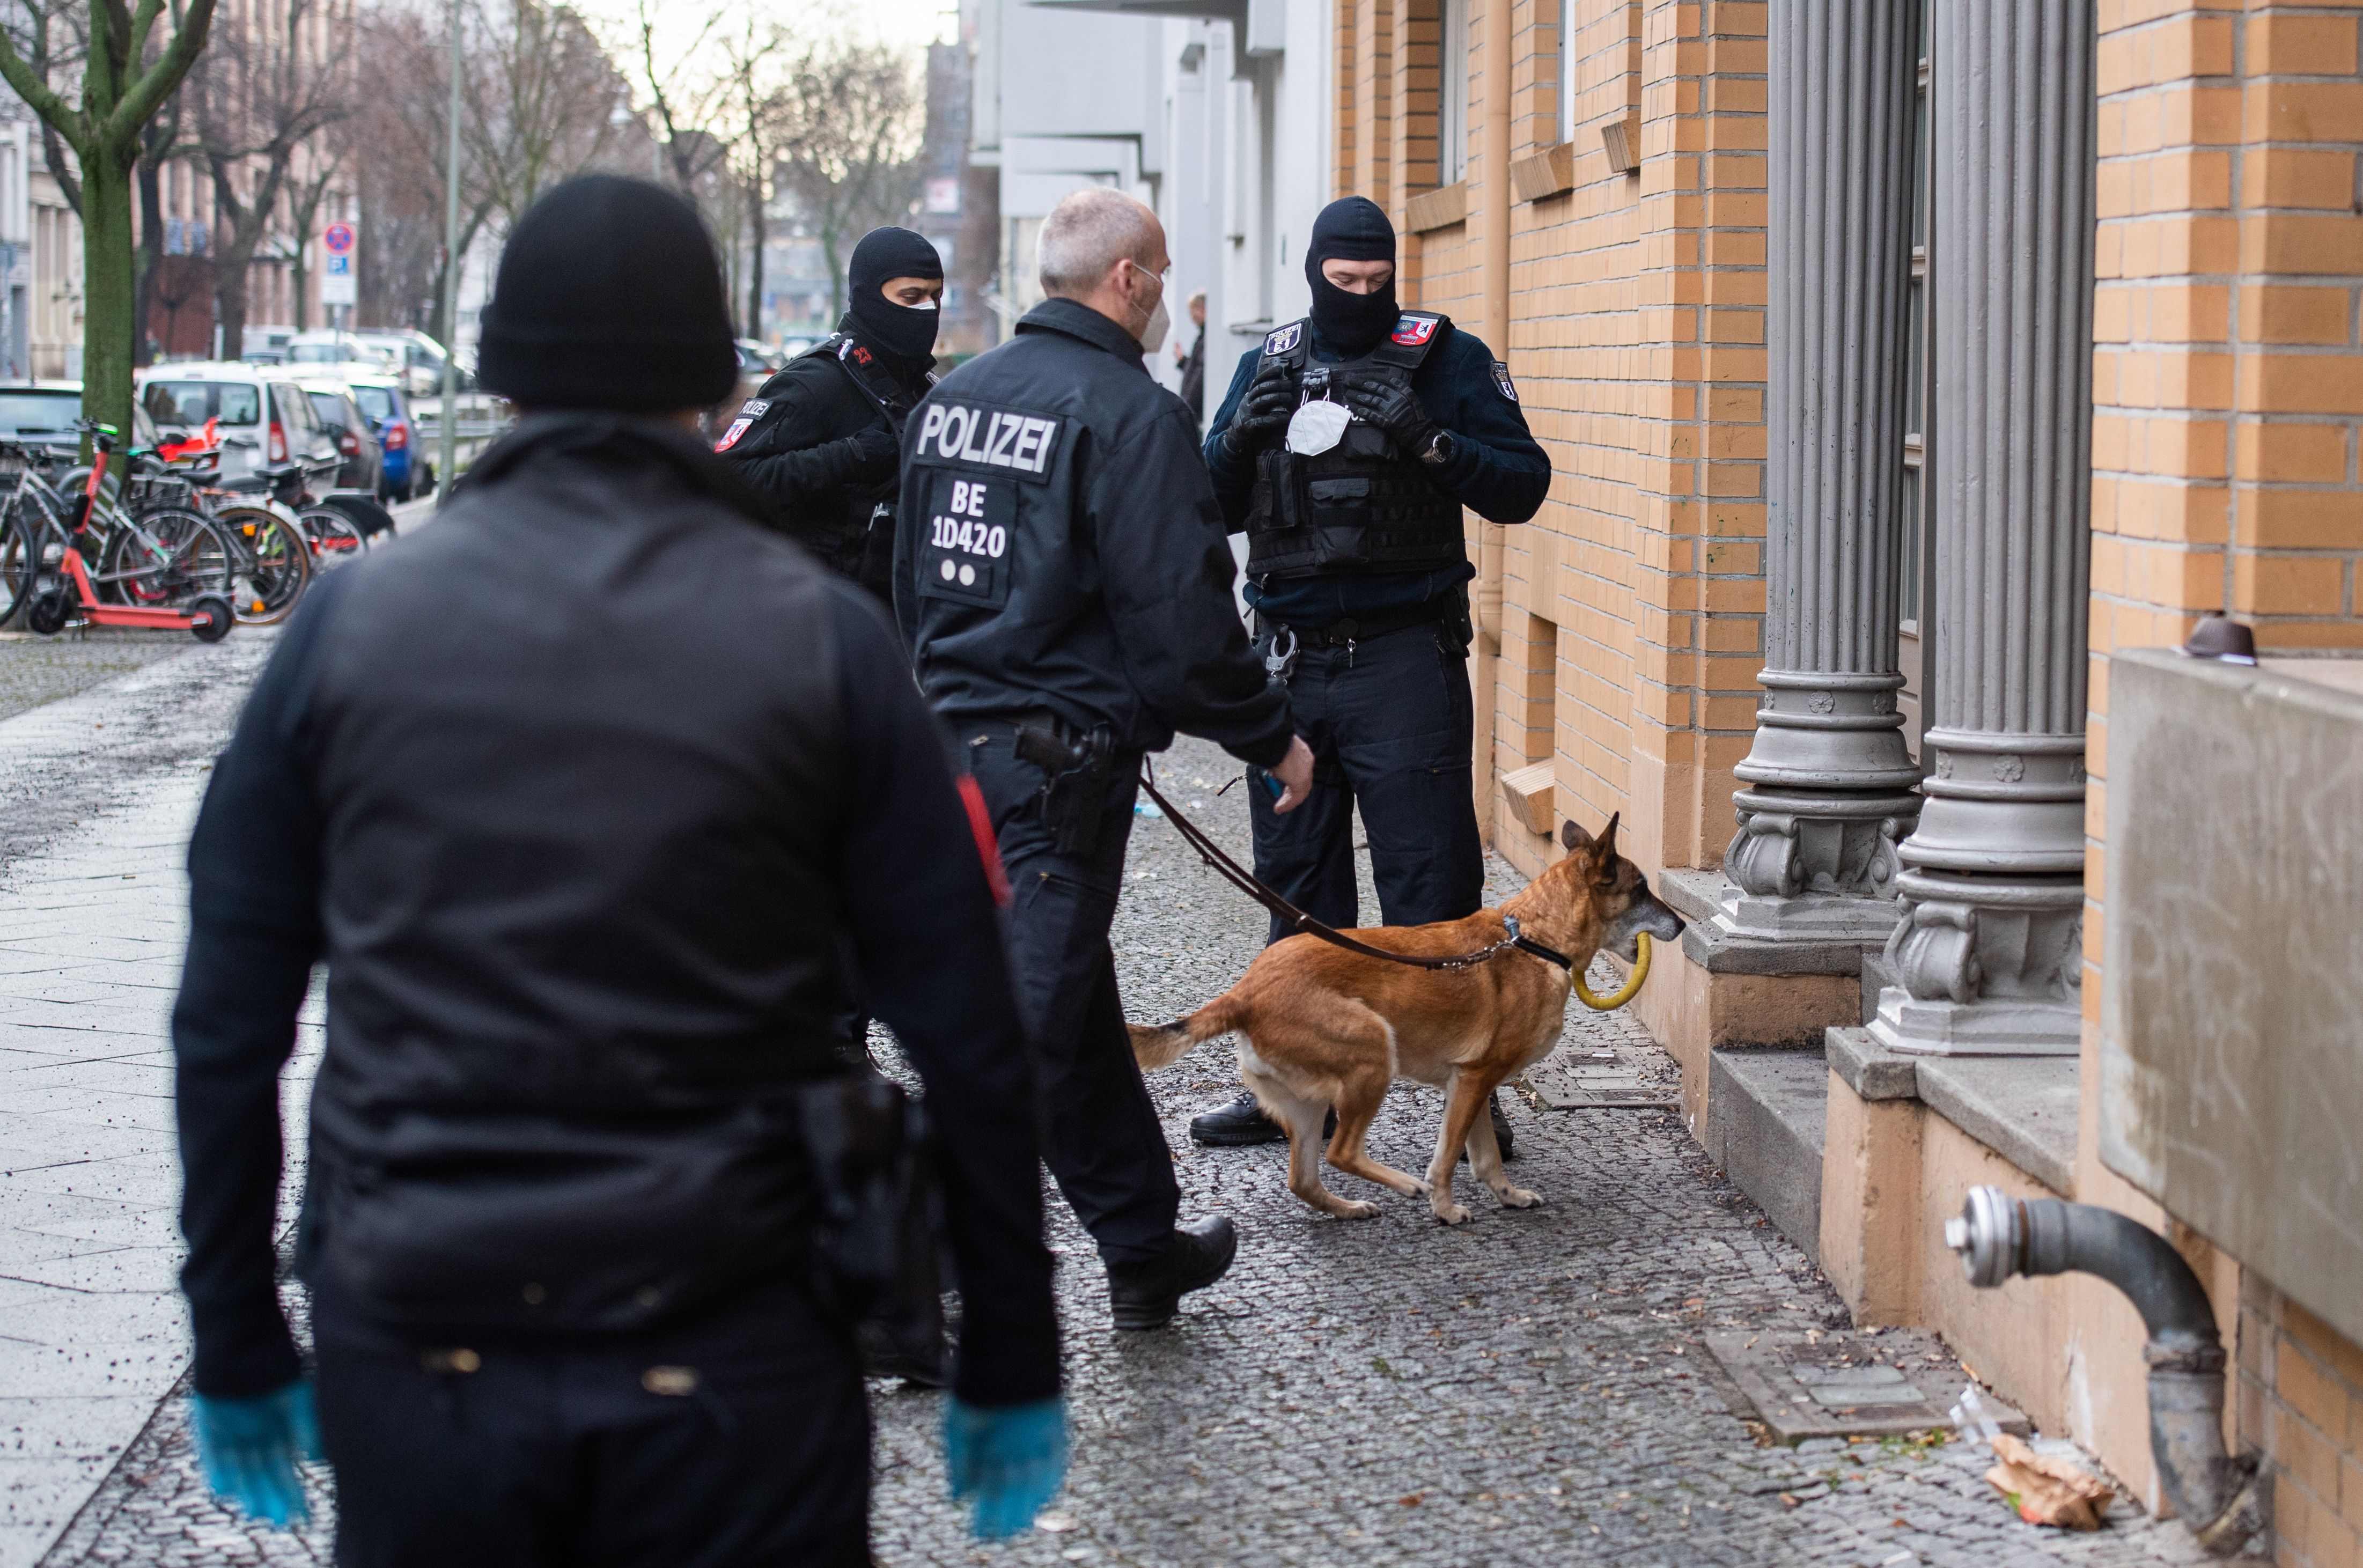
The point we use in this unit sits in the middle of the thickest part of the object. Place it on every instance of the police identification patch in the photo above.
(1279, 342)
(970, 527)
(1502, 381)
(750, 411)
(1411, 331)
(968, 434)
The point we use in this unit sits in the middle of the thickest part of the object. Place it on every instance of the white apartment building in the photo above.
(1215, 112)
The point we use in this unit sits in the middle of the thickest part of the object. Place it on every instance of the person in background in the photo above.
(1346, 450)
(1064, 585)
(1193, 363)
(582, 797)
(823, 437)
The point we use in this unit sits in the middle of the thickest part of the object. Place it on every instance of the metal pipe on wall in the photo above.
(1493, 260)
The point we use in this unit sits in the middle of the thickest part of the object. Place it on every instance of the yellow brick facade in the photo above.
(1625, 623)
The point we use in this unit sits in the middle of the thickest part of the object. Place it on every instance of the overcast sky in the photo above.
(912, 22)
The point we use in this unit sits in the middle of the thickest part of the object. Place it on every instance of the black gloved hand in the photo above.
(871, 456)
(1395, 408)
(1264, 412)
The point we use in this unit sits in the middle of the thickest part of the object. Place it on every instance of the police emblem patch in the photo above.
(1411, 331)
(750, 411)
(1502, 381)
(1279, 342)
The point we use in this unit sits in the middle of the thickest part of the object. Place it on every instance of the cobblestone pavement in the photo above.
(1530, 1388)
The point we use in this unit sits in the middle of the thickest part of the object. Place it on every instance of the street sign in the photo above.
(338, 238)
(337, 284)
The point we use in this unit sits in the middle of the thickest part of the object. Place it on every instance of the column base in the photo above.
(1991, 1025)
(1866, 922)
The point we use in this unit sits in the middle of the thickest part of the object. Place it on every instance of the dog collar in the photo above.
(1524, 944)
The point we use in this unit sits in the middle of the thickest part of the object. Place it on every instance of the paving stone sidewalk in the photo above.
(1531, 1388)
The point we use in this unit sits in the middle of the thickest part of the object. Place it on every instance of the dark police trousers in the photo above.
(1101, 1141)
(1389, 724)
(739, 1436)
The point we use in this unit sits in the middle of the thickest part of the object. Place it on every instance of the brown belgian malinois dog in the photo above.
(1322, 1027)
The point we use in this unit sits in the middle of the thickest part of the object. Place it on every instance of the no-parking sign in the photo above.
(337, 285)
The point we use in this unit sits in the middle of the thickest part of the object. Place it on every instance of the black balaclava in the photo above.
(608, 296)
(1351, 230)
(883, 255)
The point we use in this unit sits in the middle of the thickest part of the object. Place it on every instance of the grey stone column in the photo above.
(1987, 960)
(1830, 781)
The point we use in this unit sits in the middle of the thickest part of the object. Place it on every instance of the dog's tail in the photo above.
(1161, 1045)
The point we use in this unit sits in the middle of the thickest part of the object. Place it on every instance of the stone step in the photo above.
(1766, 1112)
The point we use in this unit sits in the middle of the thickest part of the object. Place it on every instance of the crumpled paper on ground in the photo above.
(2047, 1491)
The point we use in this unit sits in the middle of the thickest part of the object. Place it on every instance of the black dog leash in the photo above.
(1246, 882)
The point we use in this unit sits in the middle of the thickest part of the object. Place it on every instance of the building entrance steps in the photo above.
(1767, 1112)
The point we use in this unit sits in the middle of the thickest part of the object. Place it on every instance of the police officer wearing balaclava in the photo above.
(1346, 450)
(823, 437)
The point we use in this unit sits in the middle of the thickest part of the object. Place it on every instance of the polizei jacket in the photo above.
(586, 795)
(1058, 548)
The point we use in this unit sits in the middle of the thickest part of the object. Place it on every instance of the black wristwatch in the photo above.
(1440, 450)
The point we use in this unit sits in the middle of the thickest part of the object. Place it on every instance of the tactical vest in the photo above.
(1363, 505)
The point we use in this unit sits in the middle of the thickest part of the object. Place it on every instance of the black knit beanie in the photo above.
(608, 296)
(883, 255)
(1353, 229)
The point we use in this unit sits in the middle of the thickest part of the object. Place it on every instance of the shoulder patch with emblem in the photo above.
(1281, 341)
(750, 411)
(1502, 381)
(1411, 331)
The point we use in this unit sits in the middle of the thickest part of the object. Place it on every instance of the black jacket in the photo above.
(1500, 473)
(1058, 547)
(798, 439)
(585, 795)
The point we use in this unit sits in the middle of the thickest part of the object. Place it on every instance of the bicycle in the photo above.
(273, 562)
(168, 567)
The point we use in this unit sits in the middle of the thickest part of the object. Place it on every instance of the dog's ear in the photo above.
(1603, 852)
(1572, 836)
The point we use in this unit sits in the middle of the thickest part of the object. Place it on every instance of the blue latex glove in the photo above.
(1006, 1463)
(248, 1449)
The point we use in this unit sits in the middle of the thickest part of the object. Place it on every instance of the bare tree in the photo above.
(128, 70)
(544, 104)
(278, 75)
(157, 141)
(760, 103)
(848, 139)
(686, 100)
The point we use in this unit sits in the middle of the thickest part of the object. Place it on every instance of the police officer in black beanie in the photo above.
(823, 437)
(583, 796)
(1346, 449)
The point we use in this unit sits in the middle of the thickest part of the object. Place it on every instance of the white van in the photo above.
(259, 412)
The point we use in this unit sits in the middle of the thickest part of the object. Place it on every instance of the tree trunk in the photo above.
(230, 271)
(147, 261)
(109, 328)
(755, 229)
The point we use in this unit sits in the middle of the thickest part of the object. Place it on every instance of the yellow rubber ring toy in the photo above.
(1623, 993)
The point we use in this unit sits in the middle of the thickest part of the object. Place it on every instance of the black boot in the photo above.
(1241, 1123)
(1503, 1136)
(1144, 1295)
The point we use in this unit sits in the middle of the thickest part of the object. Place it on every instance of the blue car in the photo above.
(404, 471)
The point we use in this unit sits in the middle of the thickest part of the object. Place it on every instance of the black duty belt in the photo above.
(1349, 630)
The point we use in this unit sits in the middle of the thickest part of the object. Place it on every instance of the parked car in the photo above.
(261, 415)
(352, 430)
(415, 357)
(334, 354)
(403, 470)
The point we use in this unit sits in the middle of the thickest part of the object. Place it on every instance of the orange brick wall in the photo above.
(1631, 626)
(2228, 401)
